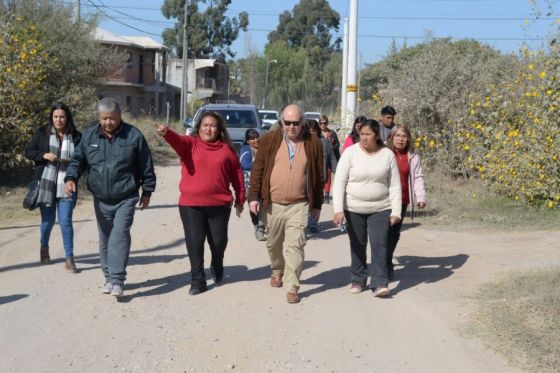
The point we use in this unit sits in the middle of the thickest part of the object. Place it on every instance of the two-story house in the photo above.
(137, 79)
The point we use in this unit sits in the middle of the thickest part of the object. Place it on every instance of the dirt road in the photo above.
(52, 321)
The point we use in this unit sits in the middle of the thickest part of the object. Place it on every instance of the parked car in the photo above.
(238, 117)
(268, 118)
(312, 115)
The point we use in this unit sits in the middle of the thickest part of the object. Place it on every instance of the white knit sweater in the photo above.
(367, 183)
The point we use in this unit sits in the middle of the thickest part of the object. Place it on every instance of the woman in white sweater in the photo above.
(367, 195)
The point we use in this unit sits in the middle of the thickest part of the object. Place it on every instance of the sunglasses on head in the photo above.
(294, 123)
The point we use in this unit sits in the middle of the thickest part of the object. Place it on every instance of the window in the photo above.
(270, 116)
(238, 118)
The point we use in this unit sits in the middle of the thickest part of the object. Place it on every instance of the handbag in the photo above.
(30, 199)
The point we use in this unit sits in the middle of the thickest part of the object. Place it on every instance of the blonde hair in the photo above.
(409, 143)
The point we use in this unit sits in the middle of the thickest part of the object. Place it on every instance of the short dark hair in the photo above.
(388, 110)
(70, 127)
(222, 130)
(251, 134)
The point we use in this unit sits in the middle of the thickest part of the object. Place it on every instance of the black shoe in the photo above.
(195, 290)
(217, 273)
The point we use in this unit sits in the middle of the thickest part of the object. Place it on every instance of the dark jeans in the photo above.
(376, 226)
(394, 236)
(114, 222)
(201, 223)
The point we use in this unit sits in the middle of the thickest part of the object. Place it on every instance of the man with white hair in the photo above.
(287, 175)
(118, 161)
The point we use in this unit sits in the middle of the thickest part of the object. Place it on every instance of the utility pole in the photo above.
(344, 75)
(351, 86)
(77, 11)
(266, 81)
(185, 86)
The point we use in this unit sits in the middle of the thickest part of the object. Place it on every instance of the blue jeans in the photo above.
(65, 207)
(113, 223)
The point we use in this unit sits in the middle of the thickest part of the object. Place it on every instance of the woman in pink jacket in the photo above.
(412, 184)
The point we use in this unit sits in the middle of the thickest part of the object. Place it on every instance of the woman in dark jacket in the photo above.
(329, 165)
(51, 148)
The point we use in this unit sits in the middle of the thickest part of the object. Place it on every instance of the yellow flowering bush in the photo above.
(23, 62)
(510, 135)
(44, 57)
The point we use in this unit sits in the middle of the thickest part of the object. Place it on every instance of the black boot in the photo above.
(45, 257)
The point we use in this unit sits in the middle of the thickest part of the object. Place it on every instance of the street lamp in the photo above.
(268, 62)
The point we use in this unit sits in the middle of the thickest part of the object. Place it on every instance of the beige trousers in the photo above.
(287, 224)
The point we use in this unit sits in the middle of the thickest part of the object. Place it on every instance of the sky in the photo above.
(504, 24)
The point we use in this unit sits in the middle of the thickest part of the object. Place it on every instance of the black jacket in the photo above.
(116, 168)
(39, 146)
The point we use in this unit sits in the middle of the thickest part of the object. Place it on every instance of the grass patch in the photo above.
(519, 316)
(461, 203)
(161, 151)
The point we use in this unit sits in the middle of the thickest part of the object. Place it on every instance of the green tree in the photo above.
(44, 57)
(309, 25)
(210, 32)
(305, 32)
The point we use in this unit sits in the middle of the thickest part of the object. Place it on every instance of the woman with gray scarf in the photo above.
(51, 148)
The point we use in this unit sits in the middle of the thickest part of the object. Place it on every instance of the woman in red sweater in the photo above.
(208, 166)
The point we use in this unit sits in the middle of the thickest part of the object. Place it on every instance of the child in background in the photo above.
(246, 157)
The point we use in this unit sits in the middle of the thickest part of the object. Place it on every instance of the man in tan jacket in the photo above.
(287, 177)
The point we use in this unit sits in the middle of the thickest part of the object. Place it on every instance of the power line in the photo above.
(122, 23)
(127, 16)
(424, 37)
(450, 16)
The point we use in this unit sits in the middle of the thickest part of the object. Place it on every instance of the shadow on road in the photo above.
(331, 279)
(160, 286)
(94, 258)
(36, 225)
(232, 274)
(410, 225)
(12, 298)
(415, 270)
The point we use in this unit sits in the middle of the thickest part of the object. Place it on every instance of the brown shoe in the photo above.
(70, 266)
(45, 257)
(292, 297)
(276, 280)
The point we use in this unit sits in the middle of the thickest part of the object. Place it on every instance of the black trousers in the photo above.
(394, 236)
(203, 223)
(376, 226)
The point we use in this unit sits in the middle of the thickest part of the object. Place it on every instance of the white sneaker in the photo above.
(381, 291)
(107, 288)
(117, 290)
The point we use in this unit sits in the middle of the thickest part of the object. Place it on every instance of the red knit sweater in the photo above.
(207, 170)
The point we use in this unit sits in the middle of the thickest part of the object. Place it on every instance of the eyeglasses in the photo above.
(323, 122)
(294, 123)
